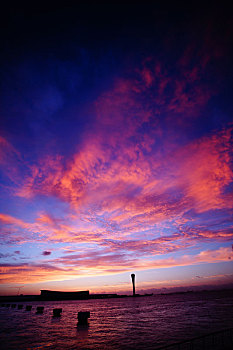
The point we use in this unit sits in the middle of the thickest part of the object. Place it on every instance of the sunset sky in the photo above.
(116, 128)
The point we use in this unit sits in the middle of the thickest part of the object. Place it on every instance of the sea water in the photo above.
(127, 323)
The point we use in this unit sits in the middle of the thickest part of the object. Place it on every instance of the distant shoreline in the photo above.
(91, 297)
(22, 298)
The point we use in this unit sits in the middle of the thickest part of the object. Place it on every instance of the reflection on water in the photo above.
(131, 323)
(82, 335)
(55, 319)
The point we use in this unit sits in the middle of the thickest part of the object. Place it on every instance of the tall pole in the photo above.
(133, 281)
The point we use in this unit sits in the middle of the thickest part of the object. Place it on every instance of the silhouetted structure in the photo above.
(83, 317)
(57, 312)
(39, 309)
(133, 281)
(55, 295)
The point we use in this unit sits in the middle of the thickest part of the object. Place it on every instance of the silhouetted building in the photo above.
(56, 295)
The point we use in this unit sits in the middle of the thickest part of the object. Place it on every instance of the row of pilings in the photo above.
(82, 315)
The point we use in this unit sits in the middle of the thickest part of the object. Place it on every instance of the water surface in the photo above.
(128, 323)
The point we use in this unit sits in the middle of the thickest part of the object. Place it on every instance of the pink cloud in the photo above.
(204, 168)
(10, 220)
(132, 193)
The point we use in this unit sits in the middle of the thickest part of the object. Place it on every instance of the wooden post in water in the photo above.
(39, 309)
(83, 317)
(133, 281)
(57, 312)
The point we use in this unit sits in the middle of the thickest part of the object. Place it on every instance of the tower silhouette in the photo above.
(133, 281)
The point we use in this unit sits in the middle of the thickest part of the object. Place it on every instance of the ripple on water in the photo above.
(142, 323)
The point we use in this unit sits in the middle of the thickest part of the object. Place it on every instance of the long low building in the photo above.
(56, 295)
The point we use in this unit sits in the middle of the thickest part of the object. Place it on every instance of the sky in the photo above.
(116, 148)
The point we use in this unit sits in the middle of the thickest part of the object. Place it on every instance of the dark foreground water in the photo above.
(129, 323)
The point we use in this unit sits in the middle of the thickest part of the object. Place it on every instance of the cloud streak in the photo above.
(82, 265)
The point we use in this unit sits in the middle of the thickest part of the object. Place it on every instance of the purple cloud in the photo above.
(45, 253)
